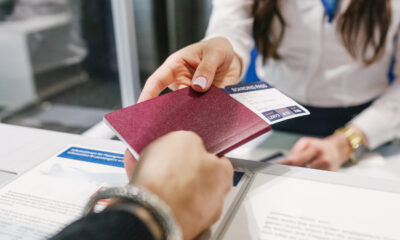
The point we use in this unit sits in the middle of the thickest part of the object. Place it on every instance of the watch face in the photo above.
(358, 152)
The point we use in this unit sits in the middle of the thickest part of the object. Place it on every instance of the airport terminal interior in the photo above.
(70, 58)
(289, 110)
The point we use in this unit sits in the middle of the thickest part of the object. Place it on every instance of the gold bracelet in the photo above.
(355, 141)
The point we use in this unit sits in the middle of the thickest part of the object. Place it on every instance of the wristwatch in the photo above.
(356, 143)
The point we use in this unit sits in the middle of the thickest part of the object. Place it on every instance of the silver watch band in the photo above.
(144, 198)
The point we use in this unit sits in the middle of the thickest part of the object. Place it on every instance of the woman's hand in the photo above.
(329, 153)
(198, 65)
(193, 182)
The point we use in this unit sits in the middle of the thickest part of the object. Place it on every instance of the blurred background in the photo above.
(58, 58)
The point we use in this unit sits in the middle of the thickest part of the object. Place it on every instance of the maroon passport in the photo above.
(222, 122)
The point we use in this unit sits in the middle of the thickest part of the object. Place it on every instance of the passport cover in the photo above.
(222, 122)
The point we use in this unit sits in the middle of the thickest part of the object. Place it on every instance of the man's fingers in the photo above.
(129, 162)
(228, 169)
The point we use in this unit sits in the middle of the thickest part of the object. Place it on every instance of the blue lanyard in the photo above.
(393, 61)
(330, 8)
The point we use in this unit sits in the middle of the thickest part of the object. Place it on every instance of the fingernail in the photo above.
(201, 82)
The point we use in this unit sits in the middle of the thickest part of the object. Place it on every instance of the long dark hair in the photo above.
(365, 23)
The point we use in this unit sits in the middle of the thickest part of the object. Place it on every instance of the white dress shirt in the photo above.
(316, 68)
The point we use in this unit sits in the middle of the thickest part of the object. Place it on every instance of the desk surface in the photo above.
(382, 163)
(22, 148)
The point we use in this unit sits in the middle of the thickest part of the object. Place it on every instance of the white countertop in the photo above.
(22, 148)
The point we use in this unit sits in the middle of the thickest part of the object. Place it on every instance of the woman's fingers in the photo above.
(205, 72)
(326, 154)
(196, 65)
(304, 151)
(157, 82)
(286, 162)
(305, 157)
(213, 59)
(300, 145)
(320, 164)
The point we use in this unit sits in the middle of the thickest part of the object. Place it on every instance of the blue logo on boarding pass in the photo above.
(296, 109)
(272, 115)
(284, 112)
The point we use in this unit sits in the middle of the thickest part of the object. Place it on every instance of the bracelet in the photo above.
(144, 198)
(355, 141)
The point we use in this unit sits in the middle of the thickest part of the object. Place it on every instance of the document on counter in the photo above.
(40, 202)
(282, 206)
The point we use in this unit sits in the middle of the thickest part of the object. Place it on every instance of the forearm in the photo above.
(233, 20)
(380, 122)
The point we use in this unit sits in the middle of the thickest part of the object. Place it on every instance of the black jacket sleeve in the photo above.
(111, 224)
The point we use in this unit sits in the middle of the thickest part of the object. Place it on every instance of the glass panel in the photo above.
(58, 67)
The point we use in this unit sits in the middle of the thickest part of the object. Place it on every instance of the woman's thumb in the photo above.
(206, 70)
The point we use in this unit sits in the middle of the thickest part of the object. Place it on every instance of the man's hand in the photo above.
(198, 65)
(193, 182)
